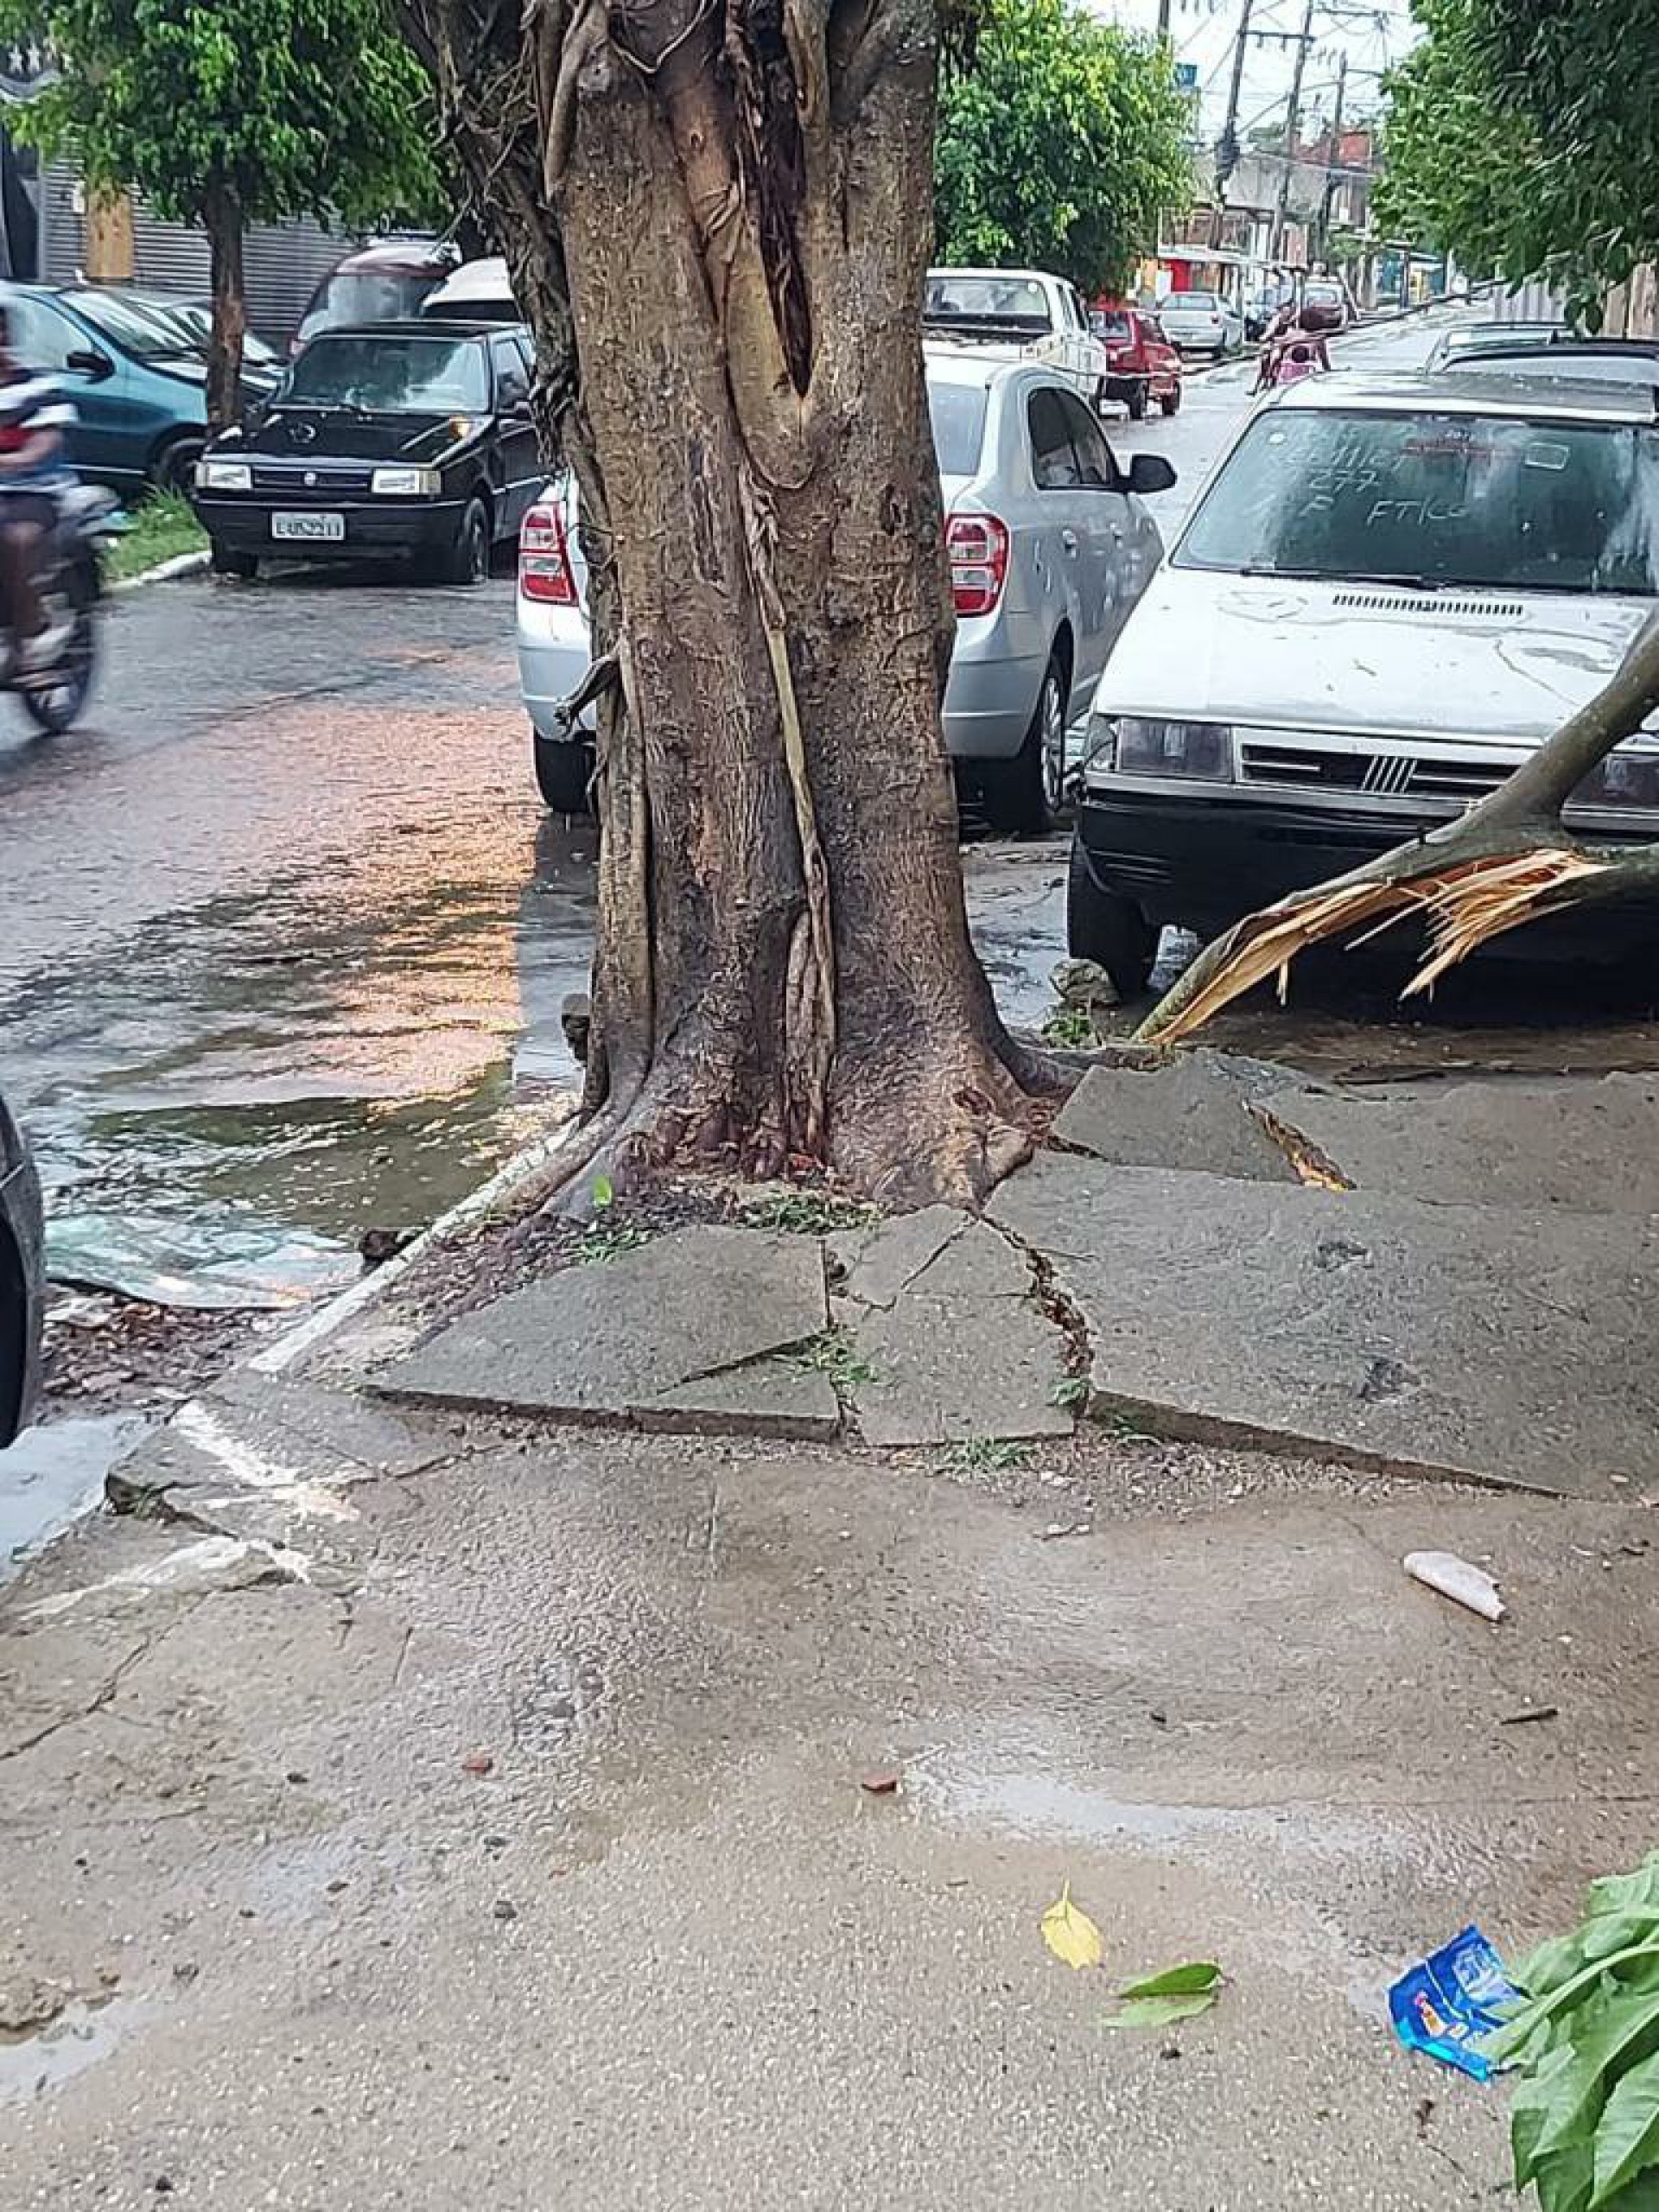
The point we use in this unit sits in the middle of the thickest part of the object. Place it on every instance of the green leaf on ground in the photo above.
(1177, 1982)
(1552, 2108)
(1627, 2139)
(1160, 2011)
(1637, 1891)
(603, 1192)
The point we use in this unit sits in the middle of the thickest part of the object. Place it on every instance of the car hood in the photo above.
(314, 433)
(1363, 658)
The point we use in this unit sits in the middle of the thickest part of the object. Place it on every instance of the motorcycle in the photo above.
(72, 585)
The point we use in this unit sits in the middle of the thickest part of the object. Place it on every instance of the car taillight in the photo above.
(977, 548)
(544, 559)
(1121, 357)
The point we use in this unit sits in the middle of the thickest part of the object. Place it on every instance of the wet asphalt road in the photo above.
(286, 928)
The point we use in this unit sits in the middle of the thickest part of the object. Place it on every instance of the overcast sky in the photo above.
(1373, 36)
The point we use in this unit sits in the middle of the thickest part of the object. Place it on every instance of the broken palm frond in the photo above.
(1484, 898)
(1465, 903)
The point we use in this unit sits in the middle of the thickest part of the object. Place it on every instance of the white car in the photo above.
(1201, 322)
(1387, 596)
(1019, 314)
(1049, 547)
(478, 291)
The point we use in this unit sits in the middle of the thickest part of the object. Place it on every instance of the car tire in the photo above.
(1171, 404)
(1107, 928)
(467, 560)
(1021, 796)
(226, 561)
(1137, 404)
(174, 468)
(564, 774)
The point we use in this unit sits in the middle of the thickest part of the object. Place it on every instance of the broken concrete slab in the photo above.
(1192, 1112)
(617, 1339)
(774, 1396)
(1510, 1344)
(980, 1262)
(1575, 1141)
(947, 1370)
(325, 1428)
(879, 1261)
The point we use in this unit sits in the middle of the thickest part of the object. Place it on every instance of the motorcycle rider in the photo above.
(34, 417)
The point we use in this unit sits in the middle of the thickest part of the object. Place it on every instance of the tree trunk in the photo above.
(784, 974)
(224, 230)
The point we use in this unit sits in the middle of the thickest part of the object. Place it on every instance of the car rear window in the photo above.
(989, 298)
(1579, 368)
(1204, 301)
(1429, 499)
(1111, 322)
(959, 417)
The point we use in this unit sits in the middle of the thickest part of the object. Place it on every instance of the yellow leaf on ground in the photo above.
(1070, 1934)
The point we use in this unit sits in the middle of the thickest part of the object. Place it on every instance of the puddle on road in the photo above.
(51, 1476)
(33, 2065)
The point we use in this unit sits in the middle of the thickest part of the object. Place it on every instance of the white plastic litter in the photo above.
(1455, 1578)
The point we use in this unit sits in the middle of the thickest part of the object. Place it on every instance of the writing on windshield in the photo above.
(1465, 499)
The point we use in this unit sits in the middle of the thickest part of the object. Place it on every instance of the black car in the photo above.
(22, 1280)
(405, 441)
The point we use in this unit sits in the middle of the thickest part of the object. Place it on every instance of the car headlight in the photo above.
(1131, 745)
(406, 483)
(1621, 780)
(224, 476)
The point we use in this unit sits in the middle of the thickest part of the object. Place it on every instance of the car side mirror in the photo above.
(1150, 472)
(93, 364)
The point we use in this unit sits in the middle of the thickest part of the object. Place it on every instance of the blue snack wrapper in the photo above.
(1453, 2001)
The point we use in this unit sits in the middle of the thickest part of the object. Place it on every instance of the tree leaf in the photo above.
(1637, 1892)
(1555, 2106)
(603, 1192)
(1627, 2139)
(1159, 2012)
(1070, 1934)
(1177, 1982)
(1566, 2181)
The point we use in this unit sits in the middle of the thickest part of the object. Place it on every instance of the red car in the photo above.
(1141, 365)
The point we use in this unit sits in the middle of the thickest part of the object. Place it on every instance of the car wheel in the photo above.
(1022, 796)
(1107, 928)
(174, 468)
(564, 771)
(1137, 404)
(1170, 403)
(467, 560)
(225, 560)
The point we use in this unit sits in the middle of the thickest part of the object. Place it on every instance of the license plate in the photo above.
(309, 527)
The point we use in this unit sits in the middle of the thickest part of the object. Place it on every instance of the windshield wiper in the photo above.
(1402, 582)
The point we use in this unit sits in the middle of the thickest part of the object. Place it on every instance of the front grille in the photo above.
(1394, 602)
(1458, 778)
(267, 478)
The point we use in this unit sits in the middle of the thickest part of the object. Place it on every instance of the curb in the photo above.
(181, 564)
(524, 1168)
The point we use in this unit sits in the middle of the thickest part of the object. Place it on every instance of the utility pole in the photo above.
(1293, 124)
(1333, 173)
(1227, 146)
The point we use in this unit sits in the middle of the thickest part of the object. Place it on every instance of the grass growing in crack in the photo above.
(987, 1455)
(1121, 1429)
(808, 1213)
(163, 527)
(834, 1354)
(602, 1244)
(1073, 1392)
(1071, 1024)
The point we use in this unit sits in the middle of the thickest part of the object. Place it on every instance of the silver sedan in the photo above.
(1049, 548)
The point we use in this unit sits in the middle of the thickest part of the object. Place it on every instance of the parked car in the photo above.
(1142, 367)
(1018, 314)
(1387, 596)
(1262, 305)
(1049, 547)
(398, 440)
(23, 1280)
(1581, 360)
(1201, 322)
(193, 322)
(478, 291)
(1452, 348)
(139, 384)
(383, 282)
(1324, 305)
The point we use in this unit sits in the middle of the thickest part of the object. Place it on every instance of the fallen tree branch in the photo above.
(1507, 861)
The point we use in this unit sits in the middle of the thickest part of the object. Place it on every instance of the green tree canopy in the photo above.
(1520, 134)
(1060, 147)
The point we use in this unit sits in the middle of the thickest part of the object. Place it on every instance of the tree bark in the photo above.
(1507, 861)
(742, 194)
(224, 223)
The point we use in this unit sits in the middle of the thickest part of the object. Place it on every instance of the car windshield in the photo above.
(958, 414)
(188, 323)
(1429, 499)
(1324, 295)
(145, 336)
(987, 298)
(390, 375)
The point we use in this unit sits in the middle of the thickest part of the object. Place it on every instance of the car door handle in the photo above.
(1069, 539)
(1117, 532)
